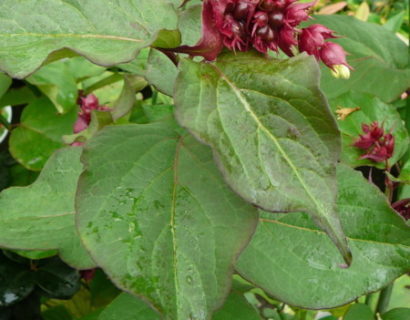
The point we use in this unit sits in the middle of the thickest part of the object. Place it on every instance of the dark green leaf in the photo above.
(271, 130)
(16, 282)
(359, 311)
(397, 314)
(40, 133)
(41, 216)
(294, 261)
(5, 83)
(106, 32)
(379, 57)
(158, 218)
(57, 313)
(57, 280)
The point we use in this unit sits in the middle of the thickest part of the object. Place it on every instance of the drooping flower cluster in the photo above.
(264, 25)
(87, 105)
(378, 145)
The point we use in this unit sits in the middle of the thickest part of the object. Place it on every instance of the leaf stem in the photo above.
(370, 300)
(384, 299)
(4, 122)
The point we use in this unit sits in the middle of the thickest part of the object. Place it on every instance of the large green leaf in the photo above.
(40, 133)
(379, 57)
(106, 32)
(370, 109)
(295, 262)
(271, 130)
(359, 311)
(41, 216)
(157, 217)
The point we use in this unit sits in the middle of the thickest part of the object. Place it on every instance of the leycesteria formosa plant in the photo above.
(190, 151)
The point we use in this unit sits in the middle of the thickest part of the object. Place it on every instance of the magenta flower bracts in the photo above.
(378, 145)
(240, 25)
(87, 105)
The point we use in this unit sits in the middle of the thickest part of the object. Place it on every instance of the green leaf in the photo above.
(395, 22)
(371, 109)
(127, 307)
(41, 216)
(190, 22)
(397, 314)
(5, 83)
(295, 262)
(57, 313)
(58, 80)
(378, 56)
(40, 133)
(161, 72)
(157, 217)
(359, 311)
(236, 307)
(105, 32)
(271, 130)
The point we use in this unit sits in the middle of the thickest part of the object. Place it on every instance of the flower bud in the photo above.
(340, 71)
(333, 54)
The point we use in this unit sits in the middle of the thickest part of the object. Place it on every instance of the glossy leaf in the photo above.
(106, 32)
(40, 133)
(16, 282)
(271, 130)
(370, 109)
(157, 217)
(41, 216)
(294, 261)
(127, 307)
(379, 58)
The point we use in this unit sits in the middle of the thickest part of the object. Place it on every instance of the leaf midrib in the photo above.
(323, 233)
(248, 108)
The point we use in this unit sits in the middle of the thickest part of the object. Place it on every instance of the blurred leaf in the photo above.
(359, 311)
(41, 216)
(103, 31)
(294, 262)
(379, 58)
(371, 109)
(161, 72)
(395, 22)
(126, 101)
(397, 314)
(363, 11)
(57, 313)
(401, 292)
(159, 233)
(127, 307)
(19, 96)
(5, 83)
(40, 133)
(333, 8)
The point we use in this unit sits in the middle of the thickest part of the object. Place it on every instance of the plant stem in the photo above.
(370, 300)
(4, 122)
(384, 299)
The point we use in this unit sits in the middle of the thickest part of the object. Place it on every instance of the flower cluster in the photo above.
(403, 208)
(265, 25)
(378, 144)
(87, 105)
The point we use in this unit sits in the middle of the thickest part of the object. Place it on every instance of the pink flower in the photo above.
(87, 105)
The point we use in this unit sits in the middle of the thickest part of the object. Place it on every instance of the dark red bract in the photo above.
(264, 25)
(87, 105)
(378, 145)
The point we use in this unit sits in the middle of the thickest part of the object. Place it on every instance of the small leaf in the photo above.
(40, 133)
(41, 216)
(363, 11)
(105, 32)
(271, 131)
(294, 261)
(359, 311)
(157, 217)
